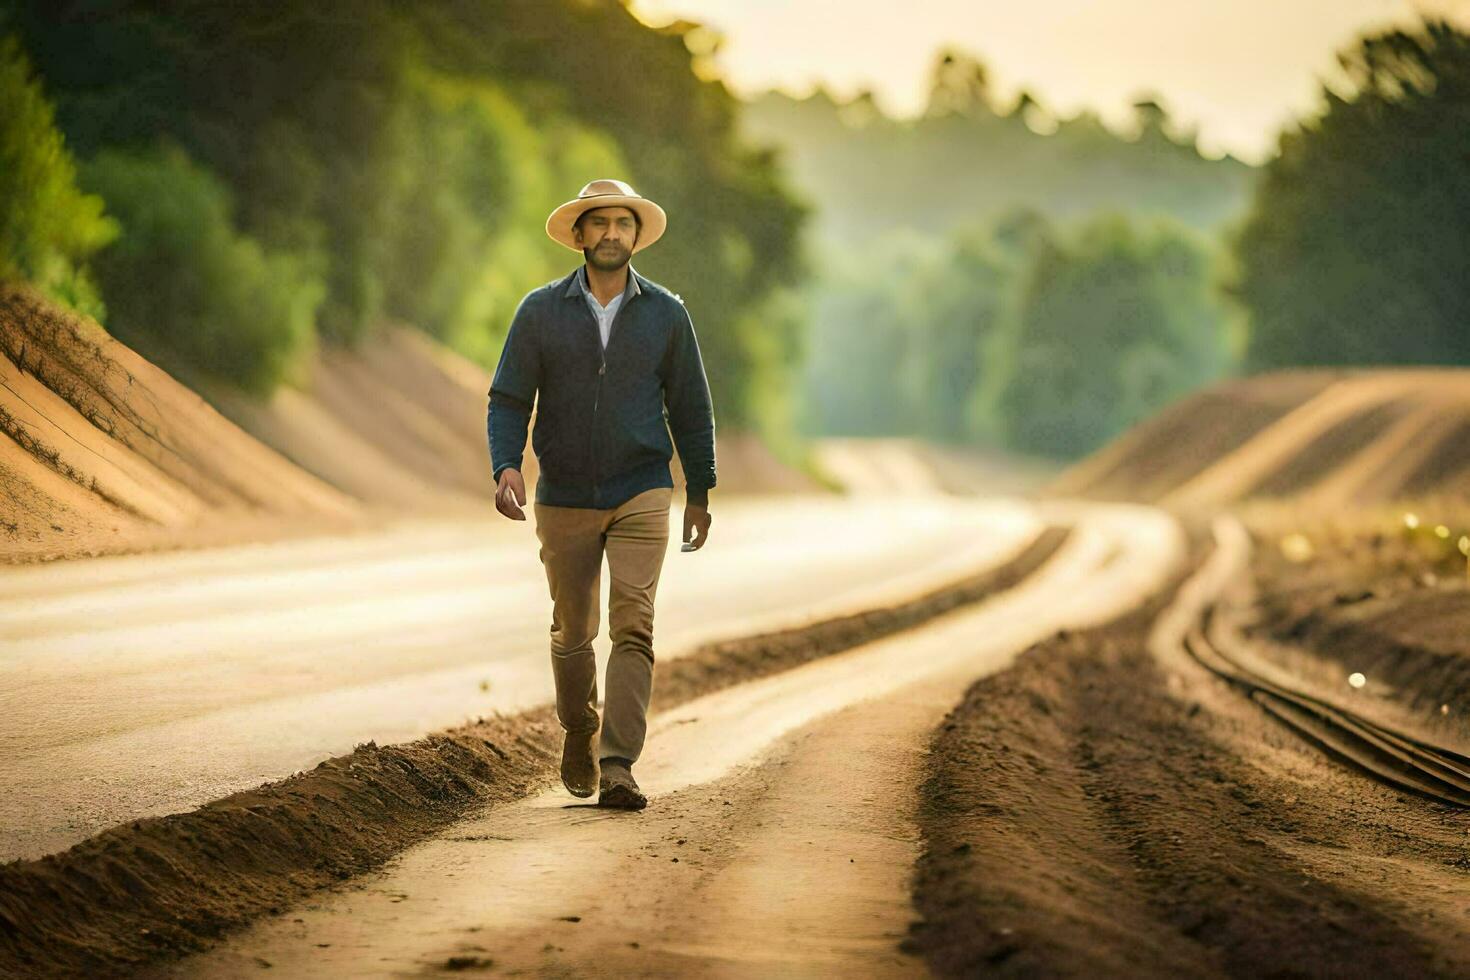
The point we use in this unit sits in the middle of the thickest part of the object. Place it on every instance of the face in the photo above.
(607, 236)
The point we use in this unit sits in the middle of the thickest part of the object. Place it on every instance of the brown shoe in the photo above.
(617, 787)
(579, 762)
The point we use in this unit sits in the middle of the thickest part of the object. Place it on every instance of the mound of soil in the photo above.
(101, 451)
(1091, 812)
(398, 422)
(1158, 455)
(1333, 438)
(1445, 462)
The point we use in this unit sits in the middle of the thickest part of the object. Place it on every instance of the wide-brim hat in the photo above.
(607, 194)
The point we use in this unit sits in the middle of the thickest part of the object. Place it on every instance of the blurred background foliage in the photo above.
(48, 227)
(229, 186)
(337, 164)
(1024, 334)
(998, 274)
(1357, 246)
(182, 283)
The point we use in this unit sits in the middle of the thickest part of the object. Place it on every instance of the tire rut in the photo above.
(1092, 811)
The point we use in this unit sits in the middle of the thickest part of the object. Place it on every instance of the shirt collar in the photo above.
(579, 283)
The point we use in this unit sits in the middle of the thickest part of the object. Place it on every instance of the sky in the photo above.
(1235, 70)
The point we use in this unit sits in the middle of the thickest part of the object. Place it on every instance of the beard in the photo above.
(607, 257)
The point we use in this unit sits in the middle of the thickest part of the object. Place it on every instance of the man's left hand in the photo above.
(696, 518)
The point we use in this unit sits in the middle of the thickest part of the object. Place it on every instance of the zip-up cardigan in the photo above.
(604, 417)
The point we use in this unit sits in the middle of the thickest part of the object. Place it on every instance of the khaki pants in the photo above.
(635, 536)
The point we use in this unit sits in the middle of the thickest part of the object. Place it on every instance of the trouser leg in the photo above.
(637, 539)
(571, 550)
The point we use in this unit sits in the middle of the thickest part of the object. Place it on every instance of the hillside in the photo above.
(398, 422)
(103, 452)
(1324, 438)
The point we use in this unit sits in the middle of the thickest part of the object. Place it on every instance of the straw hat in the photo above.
(607, 194)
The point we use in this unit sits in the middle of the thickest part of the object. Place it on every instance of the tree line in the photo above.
(1051, 328)
(1042, 338)
(228, 187)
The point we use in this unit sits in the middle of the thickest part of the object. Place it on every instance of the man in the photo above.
(613, 359)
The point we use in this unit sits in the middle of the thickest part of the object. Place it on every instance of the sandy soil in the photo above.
(1109, 807)
(794, 865)
(100, 451)
(1095, 811)
(166, 885)
(1156, 456)
(1369, 596)
(398, 421)
(1322, 438)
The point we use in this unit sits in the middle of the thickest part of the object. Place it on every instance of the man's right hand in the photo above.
(510, 495)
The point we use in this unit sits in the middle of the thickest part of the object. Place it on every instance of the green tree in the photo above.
(1357, 246)
(48, 227)
(410, 152)
(182, 283)
(965, 299)
(862, 341)
(1111, 323)
(480, 178)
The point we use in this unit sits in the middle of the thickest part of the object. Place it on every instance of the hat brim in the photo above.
(652, 218)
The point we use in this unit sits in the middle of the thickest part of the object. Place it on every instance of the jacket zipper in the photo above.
(597, 392)
(596, 397)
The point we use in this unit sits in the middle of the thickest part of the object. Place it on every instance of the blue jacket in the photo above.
(604, 417)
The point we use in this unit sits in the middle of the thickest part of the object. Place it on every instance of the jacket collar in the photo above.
(577, 283)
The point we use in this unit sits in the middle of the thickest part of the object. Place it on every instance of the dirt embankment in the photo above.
(1329, 438)
(1091, 812)
(162, 887)
(399, 422)
(1101, 810)
(1157, 455)
(396, 422)
(101, 451)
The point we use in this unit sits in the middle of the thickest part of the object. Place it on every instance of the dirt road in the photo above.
(150, 684)
(781, 836)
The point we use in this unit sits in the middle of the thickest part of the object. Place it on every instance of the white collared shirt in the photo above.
(606, 313)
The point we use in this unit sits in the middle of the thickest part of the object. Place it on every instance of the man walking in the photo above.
(611, 361)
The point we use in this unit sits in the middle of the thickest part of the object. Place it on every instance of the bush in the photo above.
(47, 226)
(184, 287)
